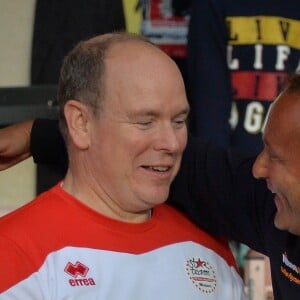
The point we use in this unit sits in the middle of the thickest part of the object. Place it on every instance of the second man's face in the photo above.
(279, 162)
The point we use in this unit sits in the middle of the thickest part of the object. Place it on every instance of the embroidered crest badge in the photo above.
(202, 274)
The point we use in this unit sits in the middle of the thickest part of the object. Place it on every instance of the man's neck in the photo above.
(98, 202)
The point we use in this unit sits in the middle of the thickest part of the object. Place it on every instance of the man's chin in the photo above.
(158, 196)
(279, 221)
(282, 219)
(284, 223)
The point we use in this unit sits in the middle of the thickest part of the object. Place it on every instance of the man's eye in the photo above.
(144, 124)
(180, 122)
(274, 158)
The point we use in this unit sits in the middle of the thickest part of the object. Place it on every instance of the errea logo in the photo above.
(78, 270)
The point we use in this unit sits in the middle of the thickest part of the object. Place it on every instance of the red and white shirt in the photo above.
(55, 247)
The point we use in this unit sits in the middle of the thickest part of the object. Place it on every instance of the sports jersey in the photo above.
(240, 55)
(55, 247)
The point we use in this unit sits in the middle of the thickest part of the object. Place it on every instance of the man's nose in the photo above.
(260, 166)
(168, 139)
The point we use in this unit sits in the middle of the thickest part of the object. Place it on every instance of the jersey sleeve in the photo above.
(15, 264)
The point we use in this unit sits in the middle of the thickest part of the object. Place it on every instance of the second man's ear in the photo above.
(77, 119)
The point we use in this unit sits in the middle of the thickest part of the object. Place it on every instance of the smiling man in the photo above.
(279, 162)
(131, 150)
(104, 232)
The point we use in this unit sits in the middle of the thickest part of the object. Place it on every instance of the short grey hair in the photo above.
(82, 72)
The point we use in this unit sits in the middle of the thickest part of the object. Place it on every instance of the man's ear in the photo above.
(77, 118)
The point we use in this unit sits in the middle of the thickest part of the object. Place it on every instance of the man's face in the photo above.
(279, 162)
(141, 133)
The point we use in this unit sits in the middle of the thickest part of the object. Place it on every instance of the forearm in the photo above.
(14, 144)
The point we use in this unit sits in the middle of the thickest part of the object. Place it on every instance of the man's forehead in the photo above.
(283, 116)
(128, 47)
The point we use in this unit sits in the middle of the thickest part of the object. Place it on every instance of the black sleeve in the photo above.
(216, 189)
(47, 145)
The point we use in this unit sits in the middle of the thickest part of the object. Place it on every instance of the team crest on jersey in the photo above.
(202, 274)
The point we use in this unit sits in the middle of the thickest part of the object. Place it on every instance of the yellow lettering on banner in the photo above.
(133, 17)
(267, 30)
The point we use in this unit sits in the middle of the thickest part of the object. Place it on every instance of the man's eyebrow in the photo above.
(151, 112)
(185, 111)
(269, 147)
(143, 113)
(266, 142)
